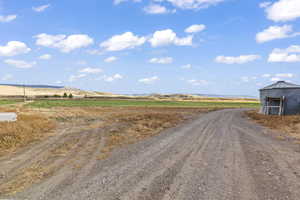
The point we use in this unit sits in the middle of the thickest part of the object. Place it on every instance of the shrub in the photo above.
(70, 95)
(65, 95)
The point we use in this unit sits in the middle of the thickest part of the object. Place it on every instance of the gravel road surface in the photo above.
(220, 155)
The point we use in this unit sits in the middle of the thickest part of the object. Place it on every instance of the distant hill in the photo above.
(33, 86)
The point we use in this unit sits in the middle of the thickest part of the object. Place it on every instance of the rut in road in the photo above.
(221, 155)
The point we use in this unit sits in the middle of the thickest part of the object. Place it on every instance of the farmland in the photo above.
(142, 103)
(5, 102)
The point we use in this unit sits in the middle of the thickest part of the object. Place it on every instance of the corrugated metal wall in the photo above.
(292, 99)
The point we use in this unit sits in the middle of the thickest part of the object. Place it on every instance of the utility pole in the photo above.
(24, 92)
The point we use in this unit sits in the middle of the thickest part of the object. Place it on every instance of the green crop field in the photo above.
(5, 102)
(139, 103)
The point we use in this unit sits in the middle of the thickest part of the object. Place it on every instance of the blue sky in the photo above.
(231, 47)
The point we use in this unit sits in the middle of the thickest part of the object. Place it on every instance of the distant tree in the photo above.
(70, 95)
(65, 95)
(57, 96)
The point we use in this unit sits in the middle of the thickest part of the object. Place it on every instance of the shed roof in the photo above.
(281, 85)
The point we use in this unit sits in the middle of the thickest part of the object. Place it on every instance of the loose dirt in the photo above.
(220, 155)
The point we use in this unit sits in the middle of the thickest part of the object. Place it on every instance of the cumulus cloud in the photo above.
(124, 41)
(275, 79)
(41, 8)
(285, 75)
(195, 28)
(192, 4)
(248, 78)
(169, 37)
(236, 60)
(187, 66)
(156, 9)
(110, 59)
(112, 78)
(197, 82)
(149, 80)
(45, 57)
(283, 10)
(64, 43)
(116, 2)
(73, 78)
(20, 63)
(7, 18)
(90, 70)
(266, 75)
(290, 54)
(14, 48)
(278, 76)
(7, 77)
(275, 32)
(265, 4)
(164, 60)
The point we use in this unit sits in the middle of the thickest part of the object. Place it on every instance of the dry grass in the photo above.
(117, 126)
(28, 128)
(289, 125)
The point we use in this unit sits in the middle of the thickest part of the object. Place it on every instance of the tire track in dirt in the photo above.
(219, 156)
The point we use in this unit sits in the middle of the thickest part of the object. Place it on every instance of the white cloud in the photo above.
(64, 43)
(236, 60)
(285, 75)
(95, 52)
(149, 80)
(20, 63)
(116, 2)
(187, 66)
(193, 4)
(291, 54)
(58, 82)
(248, 78)
(275, 32)
(90, 70)
(195, 28)
(110, 59)
(164, 60)
(265, 4)
(275, 79)
(121, 42)
(73, 78)
(266, 75)
(14, 48)
(156, 9)
(283, 10)
(168, 37)
(41, 8)
(7, 77)
(197, 82)
(112, 78)
(7, 18)
(279, 76)
(45, 57)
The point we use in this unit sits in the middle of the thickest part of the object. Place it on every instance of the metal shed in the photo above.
(280, 98)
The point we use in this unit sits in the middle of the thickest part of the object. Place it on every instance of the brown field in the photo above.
(72, 137)
(290, 125)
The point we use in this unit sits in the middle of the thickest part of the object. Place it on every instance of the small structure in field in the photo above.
(280, 98)
(8, 117)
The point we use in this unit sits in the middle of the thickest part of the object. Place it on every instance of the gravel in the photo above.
(218, 156)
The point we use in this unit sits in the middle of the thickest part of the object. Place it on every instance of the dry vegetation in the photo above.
(28, 128)
(72, 137)
(290, 125)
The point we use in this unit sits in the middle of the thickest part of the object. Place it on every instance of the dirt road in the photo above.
(221, 155)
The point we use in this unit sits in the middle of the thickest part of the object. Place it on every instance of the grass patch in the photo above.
(5, 102)
(124, 103)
